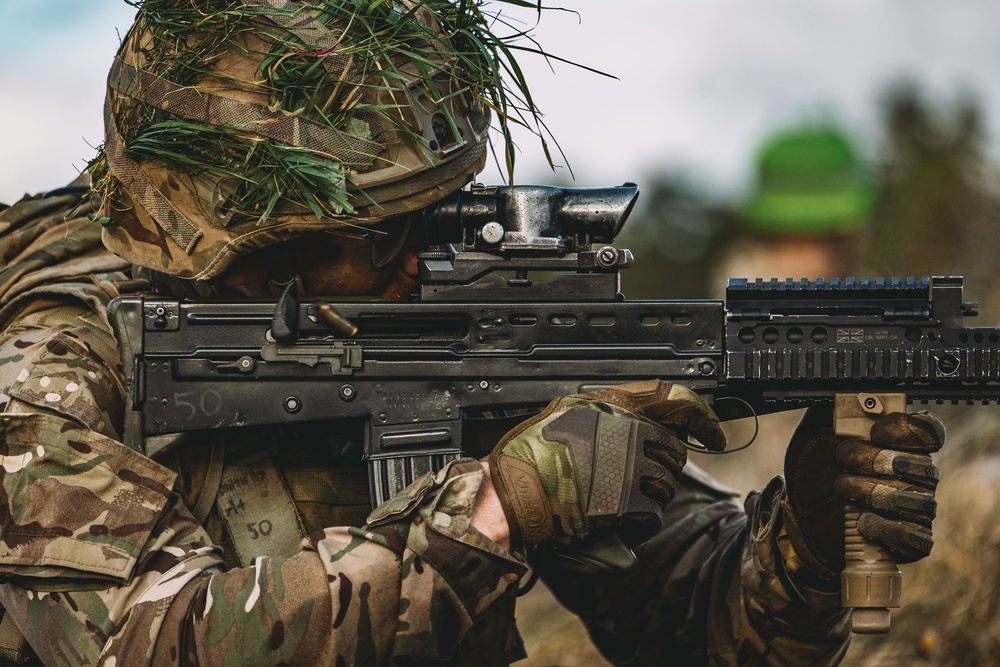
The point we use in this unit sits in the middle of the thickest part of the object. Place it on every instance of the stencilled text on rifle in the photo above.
(209, 400)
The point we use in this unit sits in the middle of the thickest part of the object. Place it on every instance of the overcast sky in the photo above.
(700, 81)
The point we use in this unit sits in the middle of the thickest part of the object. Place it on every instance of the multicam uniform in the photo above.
(111, 557)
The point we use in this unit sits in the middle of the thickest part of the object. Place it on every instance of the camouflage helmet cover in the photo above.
(397, 126)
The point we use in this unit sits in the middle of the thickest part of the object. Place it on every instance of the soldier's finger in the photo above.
(859, 456)
(888, 497)
(688, 415)
(633, 397)
(660, 490)
(668, 404)
(906, 541)
(665, 458)
(664, 448)
(917, 432)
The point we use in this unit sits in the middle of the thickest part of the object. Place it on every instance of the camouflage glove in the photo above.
(890, 478)
(611, 457)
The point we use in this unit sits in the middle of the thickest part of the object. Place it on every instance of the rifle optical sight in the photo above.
(529, 218)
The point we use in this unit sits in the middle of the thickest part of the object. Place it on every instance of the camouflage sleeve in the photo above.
(405, 589)
(102, 564)
(711, 588)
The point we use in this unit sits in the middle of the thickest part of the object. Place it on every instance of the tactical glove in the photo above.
(890, 478)
(611, 457)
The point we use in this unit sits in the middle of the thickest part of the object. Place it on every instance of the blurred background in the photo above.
(698, 83)
(711, 113)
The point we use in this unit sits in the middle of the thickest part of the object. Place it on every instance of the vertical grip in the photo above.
(870, 582)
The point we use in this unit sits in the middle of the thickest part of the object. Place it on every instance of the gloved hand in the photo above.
(890, 478)
(610, 457)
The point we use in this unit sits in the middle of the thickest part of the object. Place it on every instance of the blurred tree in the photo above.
(938, 215)
(940, 208)
(677, 234)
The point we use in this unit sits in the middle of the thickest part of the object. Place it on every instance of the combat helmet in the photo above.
(231, 125)
(810, 181)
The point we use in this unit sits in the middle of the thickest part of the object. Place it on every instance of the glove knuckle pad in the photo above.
(918, 469)
(890, 498)
(865, 459)
(608, 455)
(907, 542)
(914, 502)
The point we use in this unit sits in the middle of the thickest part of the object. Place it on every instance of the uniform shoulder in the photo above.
(50, 248)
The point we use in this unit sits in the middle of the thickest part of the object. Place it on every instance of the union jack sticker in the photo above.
(850, 336)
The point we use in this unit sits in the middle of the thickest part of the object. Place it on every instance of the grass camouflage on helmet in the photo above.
(232, 125)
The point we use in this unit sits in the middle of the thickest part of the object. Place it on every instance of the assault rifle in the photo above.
(516, 307)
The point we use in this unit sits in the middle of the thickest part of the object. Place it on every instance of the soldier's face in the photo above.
(334, 266)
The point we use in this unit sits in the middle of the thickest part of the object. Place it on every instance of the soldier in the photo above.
(809, 210)
(252, 145)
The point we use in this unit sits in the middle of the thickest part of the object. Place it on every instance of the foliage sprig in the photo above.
(182, 41)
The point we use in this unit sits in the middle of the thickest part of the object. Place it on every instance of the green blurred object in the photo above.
(810, 181)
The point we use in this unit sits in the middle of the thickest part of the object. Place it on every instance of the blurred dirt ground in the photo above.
(552, 636)
(951, 601)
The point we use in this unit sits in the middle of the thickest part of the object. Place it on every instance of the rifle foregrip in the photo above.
(870, 583)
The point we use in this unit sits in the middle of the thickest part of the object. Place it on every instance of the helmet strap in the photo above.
(373, 239)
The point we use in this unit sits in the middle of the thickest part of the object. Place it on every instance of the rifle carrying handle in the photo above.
(870, 582)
